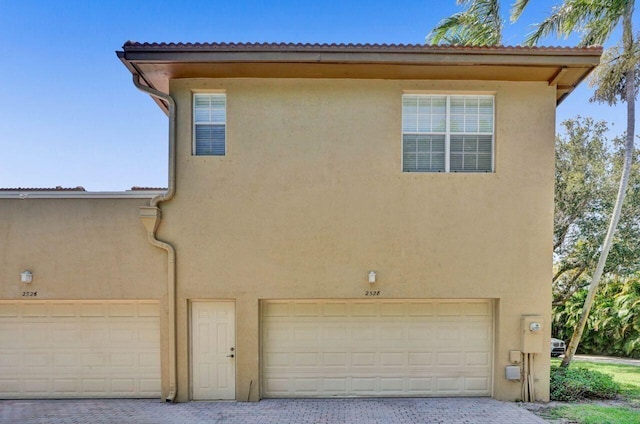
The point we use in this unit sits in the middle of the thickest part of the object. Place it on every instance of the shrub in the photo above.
(570, 384)
(613, 327)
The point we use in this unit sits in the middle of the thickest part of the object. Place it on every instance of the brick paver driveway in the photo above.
(291, 411)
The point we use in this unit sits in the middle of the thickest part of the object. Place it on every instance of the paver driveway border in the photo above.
(272, 411)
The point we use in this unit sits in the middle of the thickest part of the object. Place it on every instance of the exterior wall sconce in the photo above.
(372, 277)
(26, 277)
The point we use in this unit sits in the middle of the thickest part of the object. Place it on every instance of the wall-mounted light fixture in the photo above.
(372, 277)
(26, 277)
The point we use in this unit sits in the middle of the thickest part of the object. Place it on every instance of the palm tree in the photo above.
(616, 81)
(615, 78)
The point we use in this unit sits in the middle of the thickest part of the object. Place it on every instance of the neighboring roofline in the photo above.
(60, 194)
(157, 63)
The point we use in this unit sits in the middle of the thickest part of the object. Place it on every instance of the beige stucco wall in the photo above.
(78, 249)
(81, 249)
(308, 199)
(311, 196)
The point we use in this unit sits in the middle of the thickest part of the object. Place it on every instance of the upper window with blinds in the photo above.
(209, 124)
(447, 133)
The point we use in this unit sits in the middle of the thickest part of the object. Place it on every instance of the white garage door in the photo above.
(66, 349)
(322, 348)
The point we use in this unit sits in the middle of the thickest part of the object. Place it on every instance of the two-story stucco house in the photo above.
(340, 220)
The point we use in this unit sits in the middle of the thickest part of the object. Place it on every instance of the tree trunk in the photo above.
(630, 92)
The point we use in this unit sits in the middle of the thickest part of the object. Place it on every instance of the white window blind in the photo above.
(209, 124)
(447, 133)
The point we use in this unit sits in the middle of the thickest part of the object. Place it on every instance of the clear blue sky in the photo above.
(70, 115)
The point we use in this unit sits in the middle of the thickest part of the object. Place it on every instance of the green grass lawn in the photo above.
(594, 414)
(628, 376)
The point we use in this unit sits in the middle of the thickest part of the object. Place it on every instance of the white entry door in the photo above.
(213, 363)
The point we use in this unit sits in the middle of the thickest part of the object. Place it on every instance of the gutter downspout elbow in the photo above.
(171, 189)
(151, 217)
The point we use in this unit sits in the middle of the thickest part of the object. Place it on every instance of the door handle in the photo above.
(231, 356)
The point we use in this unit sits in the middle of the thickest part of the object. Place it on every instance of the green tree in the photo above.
(587, 168)
(583, 193)
(616, 81)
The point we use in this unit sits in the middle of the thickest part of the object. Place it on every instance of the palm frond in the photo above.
(517, 8)
(601, 22)
(596, 19)
(447, 29)
(609, 77)
(479, 24)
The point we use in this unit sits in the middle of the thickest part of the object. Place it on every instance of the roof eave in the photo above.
(578, 58)
(130, 65)
(355, 58)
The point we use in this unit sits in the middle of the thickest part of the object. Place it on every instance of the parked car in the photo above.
(558, 347)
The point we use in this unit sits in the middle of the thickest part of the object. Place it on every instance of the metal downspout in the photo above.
(151, 216)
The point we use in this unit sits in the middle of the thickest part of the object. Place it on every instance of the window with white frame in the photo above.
(446, 133)
(209, 124)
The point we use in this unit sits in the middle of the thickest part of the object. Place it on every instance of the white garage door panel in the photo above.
(66, 349)
(383, 348)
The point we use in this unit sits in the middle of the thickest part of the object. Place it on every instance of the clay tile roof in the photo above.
(136, 188)
(350, 47)
(57, 188)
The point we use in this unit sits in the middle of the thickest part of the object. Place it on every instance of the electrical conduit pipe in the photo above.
(151, 216)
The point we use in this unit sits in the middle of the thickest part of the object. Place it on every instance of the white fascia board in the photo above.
(79, 194)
